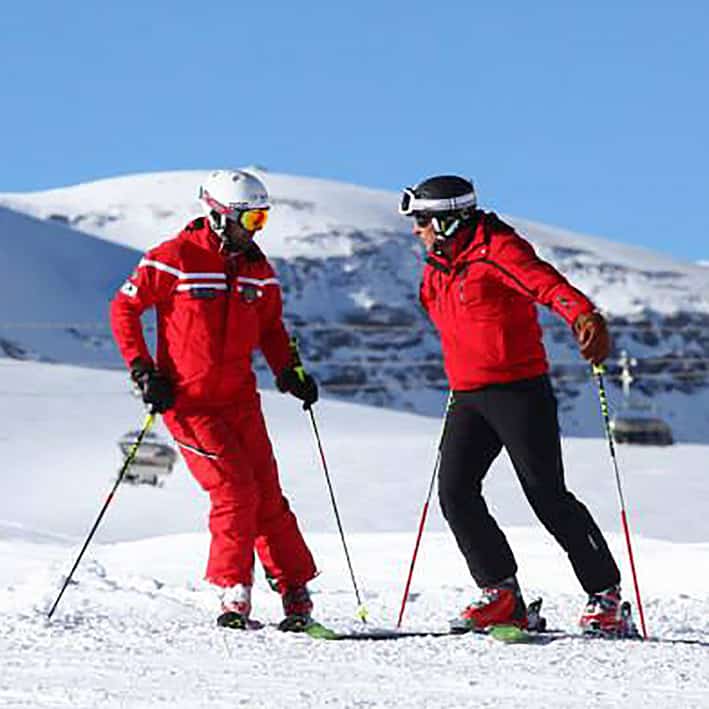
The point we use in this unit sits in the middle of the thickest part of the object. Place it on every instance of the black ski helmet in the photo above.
(448, 200)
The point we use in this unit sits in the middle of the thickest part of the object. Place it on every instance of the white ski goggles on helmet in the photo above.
(410, 204)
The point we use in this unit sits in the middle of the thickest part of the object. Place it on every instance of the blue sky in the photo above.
(591, 116)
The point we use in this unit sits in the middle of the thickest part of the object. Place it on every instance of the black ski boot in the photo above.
(297, 607)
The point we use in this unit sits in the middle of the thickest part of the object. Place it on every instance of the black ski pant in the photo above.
(522, 417)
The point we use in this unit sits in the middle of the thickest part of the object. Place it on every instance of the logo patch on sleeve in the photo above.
(249, 293)
(565, 302)
(129, 289)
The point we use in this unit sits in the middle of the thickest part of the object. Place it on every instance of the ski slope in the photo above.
(137, 629)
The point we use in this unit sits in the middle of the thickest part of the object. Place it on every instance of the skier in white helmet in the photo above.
(236, 204)
(217, 300)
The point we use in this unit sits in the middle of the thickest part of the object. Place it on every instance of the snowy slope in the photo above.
(137, 632)
(51, 275)
(137, 629)
(62, 424)
(350, 269)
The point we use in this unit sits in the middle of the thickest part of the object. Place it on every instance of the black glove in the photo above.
(295, 381)
(155, 388)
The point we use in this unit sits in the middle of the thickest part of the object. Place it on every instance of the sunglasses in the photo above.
(423, 219)
(253, 219)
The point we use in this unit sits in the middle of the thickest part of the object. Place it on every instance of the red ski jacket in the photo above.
(213, 309)
(481, 299)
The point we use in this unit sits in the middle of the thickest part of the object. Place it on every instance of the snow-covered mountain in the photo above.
(350, 272)
(53, 278)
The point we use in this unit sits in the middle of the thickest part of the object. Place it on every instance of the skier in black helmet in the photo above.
(480, 286)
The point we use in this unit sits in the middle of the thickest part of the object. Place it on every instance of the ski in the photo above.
(512, 634)
(558, 634)
(503, 633)
(389, 634)
(536, 633)
(509, 634)
(506, 634)
(308, 626)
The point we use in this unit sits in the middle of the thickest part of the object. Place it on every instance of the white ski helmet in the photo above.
(225, 194)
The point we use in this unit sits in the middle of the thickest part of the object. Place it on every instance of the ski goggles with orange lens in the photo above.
(253, 219)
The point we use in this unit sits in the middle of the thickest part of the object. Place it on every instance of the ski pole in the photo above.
(362, 612)
(149, 420)
(424, 513)
(598, 370)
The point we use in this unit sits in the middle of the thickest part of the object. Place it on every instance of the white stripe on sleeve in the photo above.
(182, 275)
(211, 286)
(258, 281)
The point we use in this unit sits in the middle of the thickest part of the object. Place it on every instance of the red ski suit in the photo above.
(213, 309)
(481, 299)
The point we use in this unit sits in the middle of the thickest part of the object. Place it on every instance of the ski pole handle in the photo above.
(298, 367)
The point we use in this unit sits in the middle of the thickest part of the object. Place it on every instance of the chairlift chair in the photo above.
(154, 460)
(638, 422)
(641, 430)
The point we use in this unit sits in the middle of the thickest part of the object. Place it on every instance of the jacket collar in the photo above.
(199, 232)
(475, 237)
(465, 241)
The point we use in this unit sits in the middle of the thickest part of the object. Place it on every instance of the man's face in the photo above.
(236, 236)
(426, 234)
